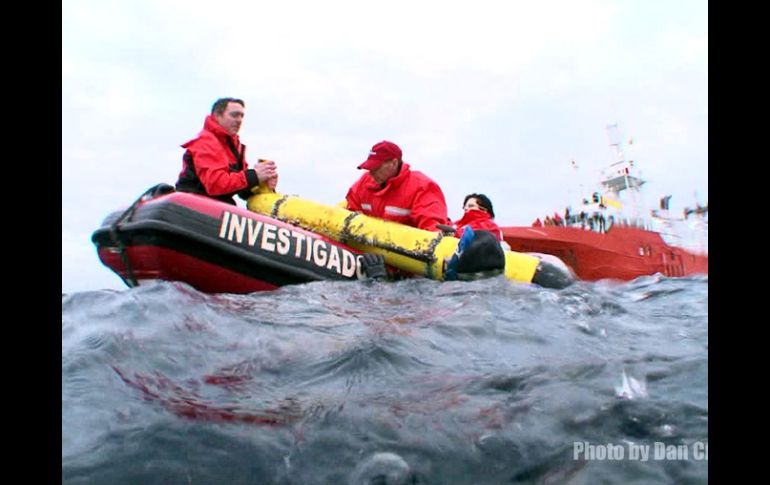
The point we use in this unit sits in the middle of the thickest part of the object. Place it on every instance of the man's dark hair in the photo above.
(221, 104)
(484, 202)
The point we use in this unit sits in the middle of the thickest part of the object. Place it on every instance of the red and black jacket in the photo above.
(215, 165)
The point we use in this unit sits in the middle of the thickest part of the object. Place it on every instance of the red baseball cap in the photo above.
(380, 153)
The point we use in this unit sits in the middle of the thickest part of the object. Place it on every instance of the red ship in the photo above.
(600, 241)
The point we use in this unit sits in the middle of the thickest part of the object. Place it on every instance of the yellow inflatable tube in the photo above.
(410, 249)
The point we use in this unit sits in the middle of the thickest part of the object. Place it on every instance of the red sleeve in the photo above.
(352, 197)
(214, 173)
(429, 208)
(352, 201)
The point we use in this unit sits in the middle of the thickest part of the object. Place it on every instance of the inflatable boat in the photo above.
(215, 247)
(279, 240)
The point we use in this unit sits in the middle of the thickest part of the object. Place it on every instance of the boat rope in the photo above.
(345, 234)
(277, 207)
(152, 192)
(425, 255)
(432, 252)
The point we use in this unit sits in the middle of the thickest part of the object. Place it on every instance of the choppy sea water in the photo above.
(414, 382)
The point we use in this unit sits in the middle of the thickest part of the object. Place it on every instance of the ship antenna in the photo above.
(620, 177)
(575, 176)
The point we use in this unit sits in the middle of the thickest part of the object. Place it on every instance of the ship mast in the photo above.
(619, 176)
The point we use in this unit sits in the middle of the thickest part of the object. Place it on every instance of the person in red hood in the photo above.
(391, 190)
(479, 215)
(214, 163)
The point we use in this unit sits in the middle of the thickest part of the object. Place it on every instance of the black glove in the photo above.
(446, 229)
(374, 265)
(245, 194)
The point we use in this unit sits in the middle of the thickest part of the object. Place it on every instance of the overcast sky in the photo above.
(495, 97)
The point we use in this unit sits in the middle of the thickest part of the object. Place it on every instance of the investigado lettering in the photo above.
(287, 242)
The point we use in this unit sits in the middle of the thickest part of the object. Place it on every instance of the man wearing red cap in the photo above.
(392, 191)
(215, 162)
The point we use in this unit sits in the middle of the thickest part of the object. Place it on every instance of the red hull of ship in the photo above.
(622, 253)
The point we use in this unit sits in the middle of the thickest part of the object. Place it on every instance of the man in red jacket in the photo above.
(392, 191)
(214, 163)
